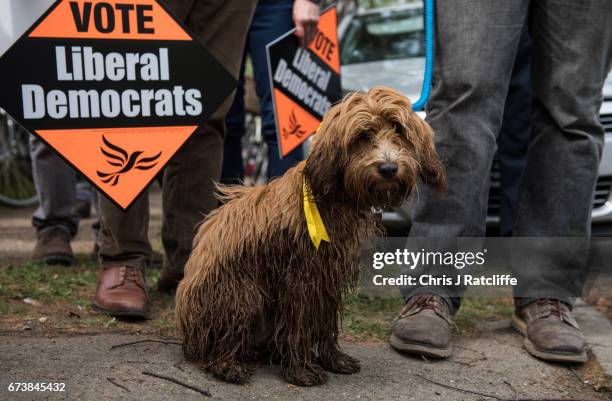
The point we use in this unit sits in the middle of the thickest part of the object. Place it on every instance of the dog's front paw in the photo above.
(340, 363)
(231, 372)
(310, 375)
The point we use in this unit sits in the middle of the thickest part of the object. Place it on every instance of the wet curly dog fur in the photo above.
(255, 287)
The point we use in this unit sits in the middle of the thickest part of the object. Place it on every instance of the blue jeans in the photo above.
(272, 19)
(515, 134)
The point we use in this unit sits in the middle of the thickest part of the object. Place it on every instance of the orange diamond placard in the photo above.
(295, 123)
(115, 87)
(121, 158)
(305, 82)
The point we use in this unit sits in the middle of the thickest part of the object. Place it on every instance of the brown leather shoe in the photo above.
(551, 332)
(53, 247)
(168, 281)
(121, 292)
(423, 327)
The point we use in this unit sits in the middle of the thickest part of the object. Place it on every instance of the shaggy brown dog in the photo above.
(255, 283)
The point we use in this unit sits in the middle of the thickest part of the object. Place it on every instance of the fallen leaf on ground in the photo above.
(31, 301)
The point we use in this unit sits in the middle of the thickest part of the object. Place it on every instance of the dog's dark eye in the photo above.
(398, 128)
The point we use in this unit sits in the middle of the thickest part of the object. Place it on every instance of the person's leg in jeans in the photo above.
(515, 134)
(476, 44)
(272, 19)
(187, 197)
(55, 220)
(572, 49)
(188, 188)
(232, 171)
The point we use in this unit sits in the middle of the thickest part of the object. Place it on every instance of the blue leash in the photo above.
(429, 56)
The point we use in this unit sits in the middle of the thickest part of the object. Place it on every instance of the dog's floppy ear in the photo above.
(323, 166)
(432, 171)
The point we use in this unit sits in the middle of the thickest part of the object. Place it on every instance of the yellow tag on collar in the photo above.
(316, 228)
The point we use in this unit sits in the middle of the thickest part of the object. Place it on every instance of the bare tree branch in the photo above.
(180, 383)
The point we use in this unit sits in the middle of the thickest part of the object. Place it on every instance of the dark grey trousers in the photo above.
(56, 186)
(58, 190)
(476, 44)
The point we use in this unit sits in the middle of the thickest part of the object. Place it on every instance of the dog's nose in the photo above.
(388, 170)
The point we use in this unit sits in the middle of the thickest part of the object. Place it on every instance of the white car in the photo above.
(377, 44)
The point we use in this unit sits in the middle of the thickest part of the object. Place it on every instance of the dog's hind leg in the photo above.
(231, 370)
(235, 364)
(295, 348)
(217, 320)
(237, 334)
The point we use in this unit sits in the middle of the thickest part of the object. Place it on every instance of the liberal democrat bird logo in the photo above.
(118, 157)
(295, 128)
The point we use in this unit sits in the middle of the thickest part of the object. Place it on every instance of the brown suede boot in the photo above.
(53, 247)
(551, 332)
(121, 292)
(423, 327)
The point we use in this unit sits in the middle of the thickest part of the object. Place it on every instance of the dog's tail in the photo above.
(226, 193)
